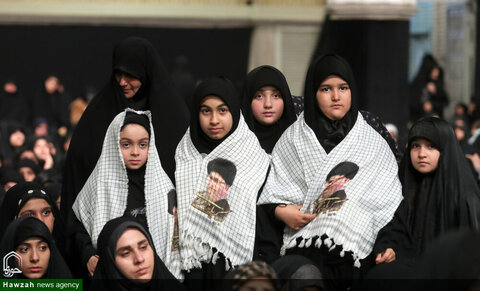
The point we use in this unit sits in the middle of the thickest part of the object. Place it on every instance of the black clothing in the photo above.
(136, 195)
(259, 77)
(225, 90)
(108, 275)
(419, 93)
(137, 57)
(27, 227)
(329, 132)
(53, 107)
(297, 272)
(13, 108)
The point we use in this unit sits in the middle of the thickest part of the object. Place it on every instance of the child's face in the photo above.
(334, 97)
(267, 105)
(134, 141)
(39, 208)
(424, 155)
(35, 255)
(215, 118)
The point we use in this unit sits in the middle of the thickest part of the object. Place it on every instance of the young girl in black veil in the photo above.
(140, 81)
(220, 169)
(32, 242)
(440, 194)
(268, 110)
(128, 260)
(128, 180)
(267, 105)
(333, 177)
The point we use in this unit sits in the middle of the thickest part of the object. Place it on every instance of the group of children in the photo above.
(242, 188)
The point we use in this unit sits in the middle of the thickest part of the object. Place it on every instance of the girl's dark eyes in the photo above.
(223, 109)
(204, 110)
(259, 96)
(43, 247)
(23, 250)
(47, 212)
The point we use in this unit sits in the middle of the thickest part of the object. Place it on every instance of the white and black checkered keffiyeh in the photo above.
(104, 195)
(299, 169)
(201, 229)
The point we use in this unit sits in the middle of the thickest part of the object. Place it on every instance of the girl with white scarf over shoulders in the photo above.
(334, 177)
(220, 167)
(128, 180)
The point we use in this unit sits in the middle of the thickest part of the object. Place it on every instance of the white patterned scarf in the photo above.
(352, 207)
(221, 220)
(104, 195)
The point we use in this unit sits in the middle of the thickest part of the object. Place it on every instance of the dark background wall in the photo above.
(81, 55)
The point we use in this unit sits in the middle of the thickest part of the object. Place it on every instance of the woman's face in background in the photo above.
(129, 84)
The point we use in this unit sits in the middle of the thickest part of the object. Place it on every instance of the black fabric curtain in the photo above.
(378, 54)
(81, 55)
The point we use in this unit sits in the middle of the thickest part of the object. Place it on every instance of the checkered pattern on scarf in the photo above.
(104, 195)
(299, 169)
(234, 236)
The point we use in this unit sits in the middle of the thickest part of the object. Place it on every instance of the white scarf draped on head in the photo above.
(354, 189)
(104, 195)
(209, 217)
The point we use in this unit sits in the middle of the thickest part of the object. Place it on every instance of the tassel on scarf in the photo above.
(308, 243)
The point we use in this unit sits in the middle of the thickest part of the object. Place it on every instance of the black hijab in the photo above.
(15, 199)
(27, 227)
(297, 272)
(225, 90)
(139, 58)
(329, 132)
(445, 199)
(109, 277)
(259, 77)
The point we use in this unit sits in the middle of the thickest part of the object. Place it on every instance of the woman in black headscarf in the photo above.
(110, 274)
(329, 167)
(427, 92)
(267, 120)
(136, 59)
(440, 194)
(32, 241)
(19, 202)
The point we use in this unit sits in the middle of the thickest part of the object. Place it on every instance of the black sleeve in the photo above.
(81, 243)
(268, 234)
(375, 122)
(396, 235)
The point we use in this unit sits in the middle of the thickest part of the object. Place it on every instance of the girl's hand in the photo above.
(292, 216)
(387, 256)
(92, 264)
(48, 163)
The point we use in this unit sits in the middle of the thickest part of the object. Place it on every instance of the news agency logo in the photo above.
(10, 271)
